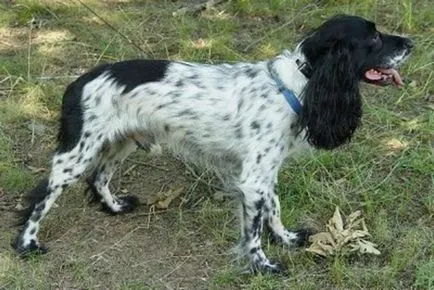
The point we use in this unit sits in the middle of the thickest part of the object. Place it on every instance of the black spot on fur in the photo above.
(166, 128)
(40, 206)
(34, 197)
(66, 170)
(36, 216)
(258, 158)
(259, 204)
(97, 100)
(159, 107)
(255, 125)
(238, 133)
(240, 104)
(251, 73)
(81, 145)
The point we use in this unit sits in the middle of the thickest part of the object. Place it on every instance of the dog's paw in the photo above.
(296, 238)
(268, 268)
(33, 248)
(123, 204)
(302, 237)
(128, 203)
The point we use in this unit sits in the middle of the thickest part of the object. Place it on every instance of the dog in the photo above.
(241, 120)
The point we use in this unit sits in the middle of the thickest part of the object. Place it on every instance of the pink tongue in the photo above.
(373, 75)
(396, 77)
(380, 74)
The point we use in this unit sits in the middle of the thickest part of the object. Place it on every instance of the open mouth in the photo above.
(383, 77)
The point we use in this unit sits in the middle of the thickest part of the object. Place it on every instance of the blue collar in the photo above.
(289, 95)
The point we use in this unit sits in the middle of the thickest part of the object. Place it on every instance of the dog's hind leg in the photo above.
(67, 167)
(99, 180)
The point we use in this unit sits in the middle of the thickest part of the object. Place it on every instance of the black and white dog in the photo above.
(241, 120)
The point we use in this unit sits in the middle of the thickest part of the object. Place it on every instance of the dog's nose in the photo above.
(408, 43)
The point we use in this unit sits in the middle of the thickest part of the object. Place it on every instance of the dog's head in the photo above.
(342, 52)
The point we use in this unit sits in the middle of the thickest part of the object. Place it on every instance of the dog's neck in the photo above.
(292, 69)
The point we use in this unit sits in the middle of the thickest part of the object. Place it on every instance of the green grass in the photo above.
(387, 171)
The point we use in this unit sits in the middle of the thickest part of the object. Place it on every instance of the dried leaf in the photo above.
(351, 219)
(343, 237)
(337, 220)
(162, 200)
(325, 238)
(367, 247)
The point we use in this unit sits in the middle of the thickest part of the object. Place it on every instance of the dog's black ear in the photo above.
(331, 100)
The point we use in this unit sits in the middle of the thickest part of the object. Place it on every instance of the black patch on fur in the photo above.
(71, 120)
(256, 223)
(132, 73)
(34, 197)
(129, 74)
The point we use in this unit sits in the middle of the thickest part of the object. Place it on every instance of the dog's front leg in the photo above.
(277, 230)
(255, 186)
